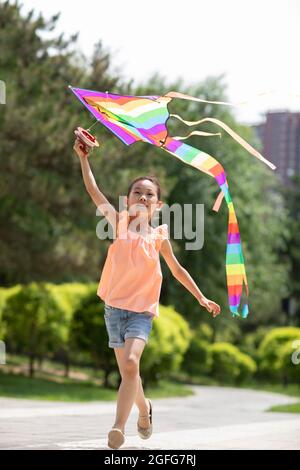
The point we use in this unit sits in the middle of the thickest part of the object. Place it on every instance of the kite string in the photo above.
(96, 119)
(92, 126)
(175, 94)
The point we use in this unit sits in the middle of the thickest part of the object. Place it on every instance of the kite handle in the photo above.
(87, 140)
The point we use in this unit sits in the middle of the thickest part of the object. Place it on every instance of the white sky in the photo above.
(254, 42)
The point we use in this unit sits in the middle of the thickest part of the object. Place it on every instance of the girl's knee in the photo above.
(131, 366)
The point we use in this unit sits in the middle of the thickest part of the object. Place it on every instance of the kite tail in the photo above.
(235, 267)
(174, 94)
(228, 129)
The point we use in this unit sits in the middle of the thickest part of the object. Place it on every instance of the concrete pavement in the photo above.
(214, 418)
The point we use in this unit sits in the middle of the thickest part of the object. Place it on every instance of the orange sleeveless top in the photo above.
(131, 277)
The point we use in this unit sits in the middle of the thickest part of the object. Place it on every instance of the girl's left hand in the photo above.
(211, 306)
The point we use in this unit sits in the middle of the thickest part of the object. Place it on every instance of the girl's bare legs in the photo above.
(140, 399)
(131, 389)
(143, 406)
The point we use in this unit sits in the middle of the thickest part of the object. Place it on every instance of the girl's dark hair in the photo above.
(147, 177)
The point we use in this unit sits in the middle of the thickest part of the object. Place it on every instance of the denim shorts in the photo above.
(122, 324)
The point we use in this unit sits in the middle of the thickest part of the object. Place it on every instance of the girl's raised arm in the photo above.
(97, 196)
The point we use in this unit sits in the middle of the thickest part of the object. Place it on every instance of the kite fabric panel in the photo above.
(143, 118)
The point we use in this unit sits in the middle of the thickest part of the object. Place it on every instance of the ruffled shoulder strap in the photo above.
(162, 233)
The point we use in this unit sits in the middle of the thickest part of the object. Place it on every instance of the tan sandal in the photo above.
(145, 433)
(115, 438)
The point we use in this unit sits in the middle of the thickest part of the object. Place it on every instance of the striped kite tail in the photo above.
(235, 267)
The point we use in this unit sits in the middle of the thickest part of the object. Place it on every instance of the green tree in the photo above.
(291, 196)
(46, 217)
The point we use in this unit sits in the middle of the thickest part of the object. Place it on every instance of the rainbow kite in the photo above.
(143, 118)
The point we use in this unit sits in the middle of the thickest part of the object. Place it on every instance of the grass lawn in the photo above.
(83, 384)
(286, 408)
(291, 389)
(20, 386)
(37, 388)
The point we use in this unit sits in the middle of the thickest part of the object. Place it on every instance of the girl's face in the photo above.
(143, 195)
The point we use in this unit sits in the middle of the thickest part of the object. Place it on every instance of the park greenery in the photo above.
(51, 257)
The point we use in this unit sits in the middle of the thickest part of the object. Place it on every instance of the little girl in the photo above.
(130, 287)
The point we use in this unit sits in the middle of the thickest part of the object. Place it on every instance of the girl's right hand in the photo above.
(80, 149)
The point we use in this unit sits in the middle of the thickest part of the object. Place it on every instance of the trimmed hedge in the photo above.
(168, 341)
(276, 355)
(198, 358)
(230, 365)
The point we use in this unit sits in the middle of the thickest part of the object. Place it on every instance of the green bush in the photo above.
(5, 293)
(275, 355)
(88, 334)
(168, 341)
(227, 332)
(198, 358)
(230, 365)
(251, 341)
(288, 369)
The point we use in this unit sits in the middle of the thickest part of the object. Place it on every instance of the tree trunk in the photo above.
(31, 366)
(67, 365)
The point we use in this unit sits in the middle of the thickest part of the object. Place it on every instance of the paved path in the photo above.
(214, 418)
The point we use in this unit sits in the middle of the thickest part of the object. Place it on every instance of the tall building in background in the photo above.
(280, 137)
